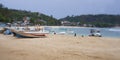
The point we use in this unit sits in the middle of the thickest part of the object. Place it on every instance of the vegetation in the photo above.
(101, 20)
(11, 15)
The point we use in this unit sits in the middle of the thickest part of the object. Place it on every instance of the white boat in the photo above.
(95, 32)
(32, 30)
(37, 32)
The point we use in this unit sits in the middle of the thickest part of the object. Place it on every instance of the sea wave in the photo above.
(116, 30)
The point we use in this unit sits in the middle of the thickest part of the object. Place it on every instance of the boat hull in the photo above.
(20, 34)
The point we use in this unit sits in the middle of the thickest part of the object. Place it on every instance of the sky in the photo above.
(63, 8)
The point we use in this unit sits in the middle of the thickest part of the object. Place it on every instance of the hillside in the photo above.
(10, 15)
(101, 20)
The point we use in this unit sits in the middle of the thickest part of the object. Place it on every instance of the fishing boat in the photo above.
(95, 32)
(22, 34)
(30, 32)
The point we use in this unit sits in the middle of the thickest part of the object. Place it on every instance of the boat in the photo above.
(37, 32)
(2, 30)
(32, 30)
(95, 32)
(22, 34)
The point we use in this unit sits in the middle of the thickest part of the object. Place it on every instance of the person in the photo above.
(7, 32)
(74, 34)
(54, 33)
(82, 35)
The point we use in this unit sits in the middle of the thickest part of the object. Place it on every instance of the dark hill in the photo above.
(101, 20)
(10, 15)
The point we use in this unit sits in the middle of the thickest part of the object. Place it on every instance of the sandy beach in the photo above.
(59, 47)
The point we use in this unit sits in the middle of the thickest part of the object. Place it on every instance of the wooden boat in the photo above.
(36, 32)
(22, 34)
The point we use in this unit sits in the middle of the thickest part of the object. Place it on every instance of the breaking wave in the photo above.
(116, 30)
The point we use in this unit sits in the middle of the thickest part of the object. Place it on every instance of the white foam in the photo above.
(116, 30)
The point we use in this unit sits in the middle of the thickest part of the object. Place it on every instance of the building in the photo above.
(26, 20)
(65, 23)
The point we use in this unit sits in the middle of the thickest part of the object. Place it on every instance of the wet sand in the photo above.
(59, 47)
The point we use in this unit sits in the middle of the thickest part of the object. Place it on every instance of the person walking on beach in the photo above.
(75, 35)
(54, 33)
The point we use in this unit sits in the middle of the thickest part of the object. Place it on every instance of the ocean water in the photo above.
(2, 25)
(106, 32)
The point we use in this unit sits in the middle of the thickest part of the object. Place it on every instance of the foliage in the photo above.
(100, 20)
(10, 15)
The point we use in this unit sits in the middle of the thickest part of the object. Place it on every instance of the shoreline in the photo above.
(67, 27)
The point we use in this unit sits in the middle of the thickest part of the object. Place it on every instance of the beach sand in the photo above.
(59, 47)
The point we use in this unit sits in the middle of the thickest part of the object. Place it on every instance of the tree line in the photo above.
(100, 20)
(11, 15)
